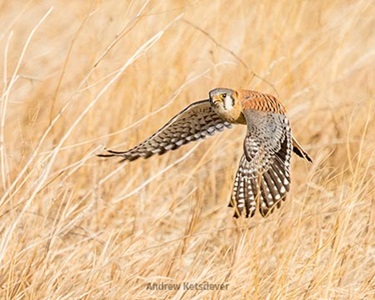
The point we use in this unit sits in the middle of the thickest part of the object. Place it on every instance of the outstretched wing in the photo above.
(263, 177)
(195, 122)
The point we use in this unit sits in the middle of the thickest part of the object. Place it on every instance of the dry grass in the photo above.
(81, 75)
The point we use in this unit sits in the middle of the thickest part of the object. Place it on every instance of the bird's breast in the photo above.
(233, 116)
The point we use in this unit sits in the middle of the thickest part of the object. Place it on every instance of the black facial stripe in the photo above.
(224, 102)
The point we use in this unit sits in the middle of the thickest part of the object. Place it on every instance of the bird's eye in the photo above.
(223, 95)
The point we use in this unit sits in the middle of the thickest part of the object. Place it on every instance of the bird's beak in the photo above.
(215, 99)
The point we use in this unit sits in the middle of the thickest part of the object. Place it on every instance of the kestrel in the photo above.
(263, 176)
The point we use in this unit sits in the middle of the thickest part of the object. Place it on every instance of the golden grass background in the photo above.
(81, 75)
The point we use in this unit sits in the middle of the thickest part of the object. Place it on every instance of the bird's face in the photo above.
(223, 100)
(227, 105)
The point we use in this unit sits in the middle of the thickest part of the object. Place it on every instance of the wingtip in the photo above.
(297, 149)
(105, 155)
(110, 153)
(307, 157)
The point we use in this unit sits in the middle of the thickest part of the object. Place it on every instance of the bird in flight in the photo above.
(262, 180)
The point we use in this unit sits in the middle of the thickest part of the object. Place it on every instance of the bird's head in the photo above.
(223, 99)
(227, 104)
